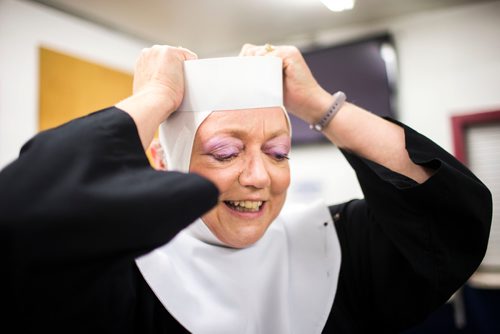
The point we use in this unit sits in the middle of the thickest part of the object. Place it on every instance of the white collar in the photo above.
(284, 283)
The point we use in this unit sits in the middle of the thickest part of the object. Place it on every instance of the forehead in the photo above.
(250, 122)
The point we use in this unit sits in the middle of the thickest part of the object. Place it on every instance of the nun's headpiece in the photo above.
(217, 84)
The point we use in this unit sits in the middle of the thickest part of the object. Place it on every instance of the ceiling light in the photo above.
(338, 5)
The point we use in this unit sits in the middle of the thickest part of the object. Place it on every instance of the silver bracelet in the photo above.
(338, 101)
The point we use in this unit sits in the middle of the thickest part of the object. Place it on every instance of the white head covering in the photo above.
(283, 283)
(212, 84)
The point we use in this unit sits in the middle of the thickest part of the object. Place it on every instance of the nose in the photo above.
(255, 173)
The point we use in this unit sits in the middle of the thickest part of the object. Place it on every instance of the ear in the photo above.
(157, 155)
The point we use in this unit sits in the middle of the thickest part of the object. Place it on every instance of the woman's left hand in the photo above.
(353, 128)
(303, 96)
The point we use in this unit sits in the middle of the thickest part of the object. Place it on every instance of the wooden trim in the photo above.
(459, 125)
(483, 278)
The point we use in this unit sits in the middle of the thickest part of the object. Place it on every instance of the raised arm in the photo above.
(353, 128)
(86, 189)
(413, 239)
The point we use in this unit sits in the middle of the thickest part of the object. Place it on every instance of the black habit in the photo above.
(82, 202)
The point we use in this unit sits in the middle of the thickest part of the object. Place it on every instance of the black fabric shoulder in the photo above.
(89, 182)
(407, 247)
(77, 207)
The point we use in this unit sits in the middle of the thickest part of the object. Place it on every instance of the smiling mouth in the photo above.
(244, 206)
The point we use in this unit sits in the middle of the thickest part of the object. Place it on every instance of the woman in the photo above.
(399, 262)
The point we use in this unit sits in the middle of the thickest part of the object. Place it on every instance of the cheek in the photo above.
(223, 178)
(280, 180)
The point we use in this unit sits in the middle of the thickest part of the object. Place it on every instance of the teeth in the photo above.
(249, 205)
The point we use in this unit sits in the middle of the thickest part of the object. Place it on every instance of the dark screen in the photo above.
(358, 69)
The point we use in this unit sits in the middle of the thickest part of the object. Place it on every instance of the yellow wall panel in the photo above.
(71, 87)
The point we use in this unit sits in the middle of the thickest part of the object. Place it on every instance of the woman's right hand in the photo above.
(159, 74)
(158, 88)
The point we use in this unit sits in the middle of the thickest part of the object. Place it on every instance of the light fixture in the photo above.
(338, 5)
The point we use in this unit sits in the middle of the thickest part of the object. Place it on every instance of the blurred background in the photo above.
(432, 64)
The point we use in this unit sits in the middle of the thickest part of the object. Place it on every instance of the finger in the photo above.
(266, 50)
(160, 50)
(188, 54)
(248, 49)
(289, 54)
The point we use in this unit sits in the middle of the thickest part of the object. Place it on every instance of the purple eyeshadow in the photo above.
(278, 146)
(222, 146)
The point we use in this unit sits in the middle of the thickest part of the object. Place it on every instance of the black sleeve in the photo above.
(407, 247)
(86, 191)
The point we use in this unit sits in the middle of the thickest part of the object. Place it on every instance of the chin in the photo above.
(241, 240)
(236, 231)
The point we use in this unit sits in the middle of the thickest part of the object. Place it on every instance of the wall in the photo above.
(24, 26)
(449, 63)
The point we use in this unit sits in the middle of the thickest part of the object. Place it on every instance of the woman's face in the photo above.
(245, 153)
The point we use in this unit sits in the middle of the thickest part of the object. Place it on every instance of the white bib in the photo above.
(284, 283)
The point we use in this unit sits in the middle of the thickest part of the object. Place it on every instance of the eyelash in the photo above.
(229, 157)
(224, 158)
(280, 157)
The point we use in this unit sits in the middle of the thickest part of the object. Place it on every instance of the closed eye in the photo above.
(278, 148)
(224, 157)
(279, 156)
